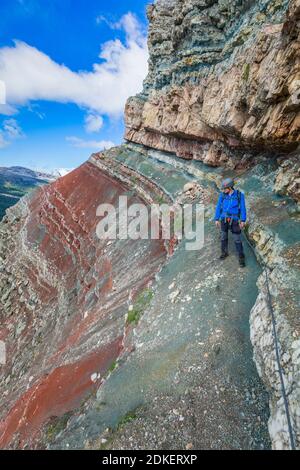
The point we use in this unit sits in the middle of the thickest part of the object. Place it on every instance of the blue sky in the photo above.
(68, 68)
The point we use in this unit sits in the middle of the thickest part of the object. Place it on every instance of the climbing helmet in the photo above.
(227, 183)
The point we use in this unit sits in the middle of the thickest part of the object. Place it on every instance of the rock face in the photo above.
(274, 228)
(63, 298)
(288, 177)
(141, 343)
(223, 81)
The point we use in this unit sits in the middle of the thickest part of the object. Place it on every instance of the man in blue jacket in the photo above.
(231, 213)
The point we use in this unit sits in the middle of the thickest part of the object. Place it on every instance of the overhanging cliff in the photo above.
(223, 82)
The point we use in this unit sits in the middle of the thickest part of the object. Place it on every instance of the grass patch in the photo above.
(112, 366)
(246, 72)
(111, 434)
(100, 406)
(134, 179)
(160, 200)
(57, 424)
(130, 416)
(141, 303)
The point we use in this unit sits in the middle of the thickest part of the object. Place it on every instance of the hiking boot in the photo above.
(224, 254)
(242, 261)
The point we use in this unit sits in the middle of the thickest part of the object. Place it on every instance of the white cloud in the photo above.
(103, 19)
(92, 144)
(93, 123)
(2, 93)
(8, 110)
(134, 31)
(29, 74)
(3, 142)
(10, 131)
(34, 108)
(129, 23)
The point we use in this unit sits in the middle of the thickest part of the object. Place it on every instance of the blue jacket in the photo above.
(228, 206)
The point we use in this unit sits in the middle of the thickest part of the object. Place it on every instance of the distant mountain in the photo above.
(16, 181)
(57, 173)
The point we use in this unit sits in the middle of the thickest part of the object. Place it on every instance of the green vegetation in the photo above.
(112, 433)
(160, 200)
(130, 416)
(274, 6)
(99, 406)
(141, 303)
(127, 418)
(112, 366)
(134, 179)
(189, 60)
(57, 424)
(246, 72)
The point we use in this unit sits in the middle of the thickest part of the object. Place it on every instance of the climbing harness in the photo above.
(276, 343)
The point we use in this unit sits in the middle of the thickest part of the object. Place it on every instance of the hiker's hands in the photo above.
(242, 224)
(218, 223)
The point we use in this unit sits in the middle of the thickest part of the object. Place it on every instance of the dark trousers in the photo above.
(236, 232)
